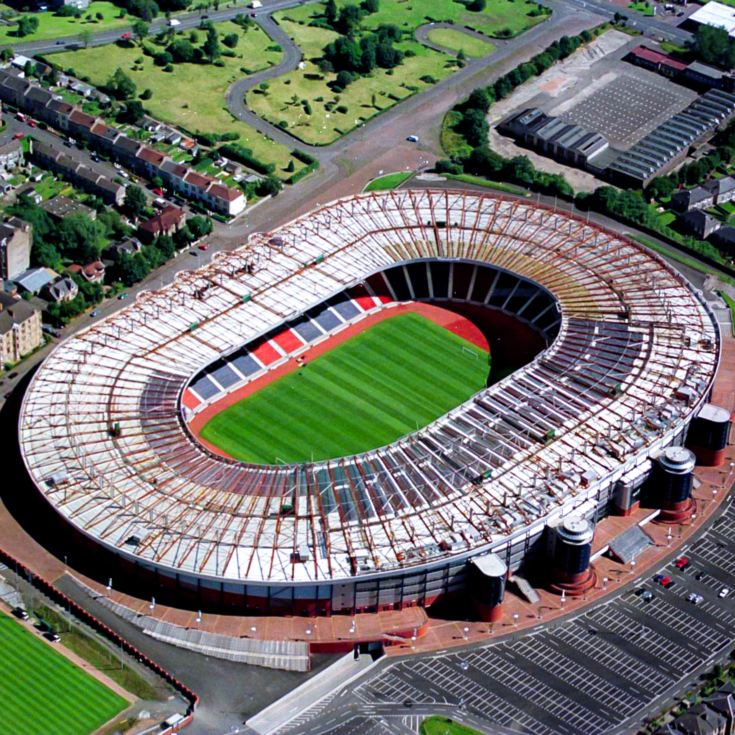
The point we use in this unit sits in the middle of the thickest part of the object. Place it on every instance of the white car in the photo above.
(694, 598)
(413, 139)
(724, 592)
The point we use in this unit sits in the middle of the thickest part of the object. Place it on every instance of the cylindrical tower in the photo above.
(572, 548)
(708, 435)
(672, 479)
(487, 586)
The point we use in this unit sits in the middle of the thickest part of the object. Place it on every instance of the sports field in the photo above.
(396, 376)
(43, 692)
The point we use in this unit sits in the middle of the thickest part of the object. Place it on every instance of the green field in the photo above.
(42, 692)
(389, 181)
(398, 375)
(192, 96)
(51, 25)
(472, 46)
(444, 726)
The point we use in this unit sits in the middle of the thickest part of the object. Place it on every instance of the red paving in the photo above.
(445, 318)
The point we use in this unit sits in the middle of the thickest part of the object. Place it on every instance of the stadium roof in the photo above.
(635, 356)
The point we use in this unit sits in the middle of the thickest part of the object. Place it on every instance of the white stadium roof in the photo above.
(635, 356)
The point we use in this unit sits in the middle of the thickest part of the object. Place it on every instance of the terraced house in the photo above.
(146, 161)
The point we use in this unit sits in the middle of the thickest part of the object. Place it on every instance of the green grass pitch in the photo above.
(400, 374)
(43, 692)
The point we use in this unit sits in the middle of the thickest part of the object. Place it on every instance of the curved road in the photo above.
(422, 36)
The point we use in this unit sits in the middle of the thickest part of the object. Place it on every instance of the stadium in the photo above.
(608, 354)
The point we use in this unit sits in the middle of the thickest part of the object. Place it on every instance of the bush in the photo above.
(245, 155)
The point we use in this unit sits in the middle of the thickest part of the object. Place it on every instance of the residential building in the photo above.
(131, 153)
(166, 222)
(130, 246)
(724, 238)
(61, 206)
(93, 272)
(65, 289)
(699, 223)
(15, 248)
(86, 178)
(686, 200)
(34, 280)
(11, 155)
(20, 328)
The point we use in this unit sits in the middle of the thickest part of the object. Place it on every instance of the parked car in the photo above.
(647, 596)
(52, 636)
(125, 37)
(94, 313)
(665, 581)
(193, 252)
(204, 246)
(724, 592)
(413, 139)
(657, 578)
(682, 562)
(20, 613)
(124, 295)
(18, 136)
(694, 598)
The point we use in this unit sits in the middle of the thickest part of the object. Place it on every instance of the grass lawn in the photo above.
(389, 181)
(398, 375)
(99, 655)
(54, 26)
(444, 726)
(332, 115)
(730, 305)
(302, 102)
(192, 96)
(43, 692)
(480, 181)
(456, 40)
(641, 7)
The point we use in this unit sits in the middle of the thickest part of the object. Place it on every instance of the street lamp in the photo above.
(109, 585)
(515, 619)
(152, 605)
(604, 584)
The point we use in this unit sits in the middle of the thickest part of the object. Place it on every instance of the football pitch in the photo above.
(43, 692)
(395, 377)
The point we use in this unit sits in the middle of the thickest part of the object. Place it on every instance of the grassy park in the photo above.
(457, 41)
(44, 692)
(51, 25)
(398, 375)
(303, 102)
(191, 96)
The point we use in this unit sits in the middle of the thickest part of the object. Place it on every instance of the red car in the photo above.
(17, 136)
(204, 246)
(158, 191)
(667, 582)
(32, 123)
(682, 562)
(125, 37)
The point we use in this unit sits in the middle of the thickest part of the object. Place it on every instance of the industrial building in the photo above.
(628, 356)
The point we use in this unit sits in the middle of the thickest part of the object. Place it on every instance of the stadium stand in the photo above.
(632, 353)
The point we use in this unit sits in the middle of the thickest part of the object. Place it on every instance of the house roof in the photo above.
(196, 179)
(128, 145)
(13, 146)
(175, 169)
(166, 219)
(37, 94)
(34, 279)
(13, 311)
(225, 192)
(60, 106)
(82, 118)
(151, 156)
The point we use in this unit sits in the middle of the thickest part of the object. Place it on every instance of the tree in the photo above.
(181, 50)
(132, 112)
(85, 36)
(660, 187)
(349, 20)
(80, 238)
(230, 40)
(269, 186)
(120, 85)
(484, 162)
(210, 47)
(199, 226)
(713, 45)
(135, 201)
(140, 29)
(370, 6)
(331, 13)
(27, 24)
(474, 127)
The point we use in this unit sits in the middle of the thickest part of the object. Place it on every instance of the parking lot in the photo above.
(599, 672)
